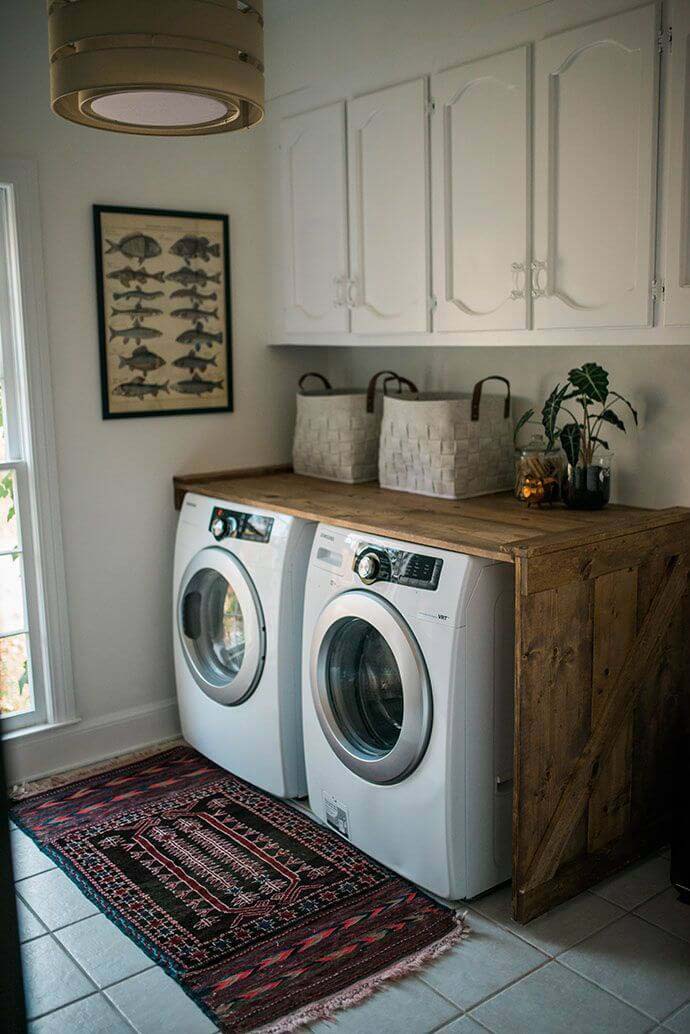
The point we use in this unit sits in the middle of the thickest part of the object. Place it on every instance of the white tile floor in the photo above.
(614, 960)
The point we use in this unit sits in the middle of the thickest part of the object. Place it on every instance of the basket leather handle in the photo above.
(390, 375)
(324, 380)
(477, 394)
(402, 382)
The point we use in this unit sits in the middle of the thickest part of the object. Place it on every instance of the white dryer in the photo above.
(237, 625)
(408, 706)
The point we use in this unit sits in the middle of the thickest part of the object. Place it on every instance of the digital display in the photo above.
(412, 569)
(256, 528)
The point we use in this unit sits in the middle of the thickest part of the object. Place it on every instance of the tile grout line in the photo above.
(492, 994)
(608, 991)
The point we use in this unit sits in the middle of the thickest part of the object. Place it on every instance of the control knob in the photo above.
(368, 567)
(218, 529)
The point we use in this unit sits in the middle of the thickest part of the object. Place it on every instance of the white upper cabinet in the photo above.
(595, 161)
(388, 163)
(315, 221)
(479, 154)
(676, 307)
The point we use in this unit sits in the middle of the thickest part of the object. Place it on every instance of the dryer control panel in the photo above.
(378, 564)
(234, 524)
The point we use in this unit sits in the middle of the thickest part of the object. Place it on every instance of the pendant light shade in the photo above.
(158, 67)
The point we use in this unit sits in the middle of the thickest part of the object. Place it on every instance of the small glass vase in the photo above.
(538, 472)
(588, 486)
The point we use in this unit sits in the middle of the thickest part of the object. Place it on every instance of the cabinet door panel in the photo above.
(595, 163)
(388, 161)
(479, 166)
(676, 306)
(315, 220)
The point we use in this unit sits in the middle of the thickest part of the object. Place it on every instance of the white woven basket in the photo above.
(447, 444)
(337, 430)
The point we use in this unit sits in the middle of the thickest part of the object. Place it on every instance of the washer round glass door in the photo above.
(221, 626)
(370, 687)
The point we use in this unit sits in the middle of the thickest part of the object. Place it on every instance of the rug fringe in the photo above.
(326, 1008)
(20, 791)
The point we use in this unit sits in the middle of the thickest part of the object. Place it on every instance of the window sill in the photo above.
(43, 729)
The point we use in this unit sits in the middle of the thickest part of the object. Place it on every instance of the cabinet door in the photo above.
(676, 306)
(595, 164)
(388, 163)
(479, 146)
(314, 184)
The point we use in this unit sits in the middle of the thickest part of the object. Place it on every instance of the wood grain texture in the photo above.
(615, 625)
(643, 654)
(553, 707)
(494, 526)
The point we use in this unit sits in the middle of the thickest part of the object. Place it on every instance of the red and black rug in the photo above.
(265, 918)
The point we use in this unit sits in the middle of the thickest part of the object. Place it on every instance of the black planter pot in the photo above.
(587, 487)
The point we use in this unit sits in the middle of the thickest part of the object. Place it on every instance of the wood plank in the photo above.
(617, 553)
(660, 715)
(553, 707)
(587, 870)
(643, 654)
(182, 483)
(495, 526)
(615, 625)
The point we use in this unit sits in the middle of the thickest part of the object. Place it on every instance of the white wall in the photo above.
(322, 50)
(115, 477)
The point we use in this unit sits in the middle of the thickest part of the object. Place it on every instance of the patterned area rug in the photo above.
(266, 919)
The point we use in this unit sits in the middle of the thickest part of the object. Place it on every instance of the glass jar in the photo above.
(538, 472)
(588, 486)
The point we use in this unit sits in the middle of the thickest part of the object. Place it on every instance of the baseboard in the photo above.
(36, 755)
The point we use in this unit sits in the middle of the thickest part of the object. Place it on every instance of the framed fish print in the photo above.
(163, 282)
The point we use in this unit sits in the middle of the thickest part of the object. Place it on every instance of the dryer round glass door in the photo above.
(370, 687)
(221, 626)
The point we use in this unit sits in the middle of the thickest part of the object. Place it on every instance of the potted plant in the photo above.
(587, 475)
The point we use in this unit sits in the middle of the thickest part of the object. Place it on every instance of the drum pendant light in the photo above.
(157, 67)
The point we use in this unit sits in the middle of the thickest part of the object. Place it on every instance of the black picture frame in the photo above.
(228, 404)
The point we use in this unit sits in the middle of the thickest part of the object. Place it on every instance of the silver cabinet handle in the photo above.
(519, 280)
(537, 267)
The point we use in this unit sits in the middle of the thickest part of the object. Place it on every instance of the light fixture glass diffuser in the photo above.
(178, 68)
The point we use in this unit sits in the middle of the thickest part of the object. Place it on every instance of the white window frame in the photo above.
(30, 437)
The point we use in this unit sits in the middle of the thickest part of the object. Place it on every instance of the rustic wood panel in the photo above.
(615, 625)
(495, 526)
(643, 654)
(553, 707)
(605, 557)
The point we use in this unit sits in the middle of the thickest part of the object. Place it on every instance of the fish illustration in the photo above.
(193, 362)
(198, 336)
(142, 359)
(195, 313)
(126, 275)
(193, 294)
(138, 310)
(135, 245)
(137, 293)
(186, 276)
(195, 385)
(191, 246)
(135, 333)
(139, 389)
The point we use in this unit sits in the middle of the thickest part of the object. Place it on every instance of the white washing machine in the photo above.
(408, 706)
(237, 626)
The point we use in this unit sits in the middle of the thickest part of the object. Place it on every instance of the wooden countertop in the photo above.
(495, 526)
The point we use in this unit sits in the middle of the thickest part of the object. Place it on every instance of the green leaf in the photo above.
(10, 514)
(591, 380)
(23, 679)
(612, 418)
(620, 398)
(551, 410)
(600, 441)
(524, 419)
(571, 437)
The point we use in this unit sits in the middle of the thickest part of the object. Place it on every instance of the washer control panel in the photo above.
(233, 524)
(378, 564)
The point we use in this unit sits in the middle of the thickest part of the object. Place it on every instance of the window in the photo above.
(35, 676)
